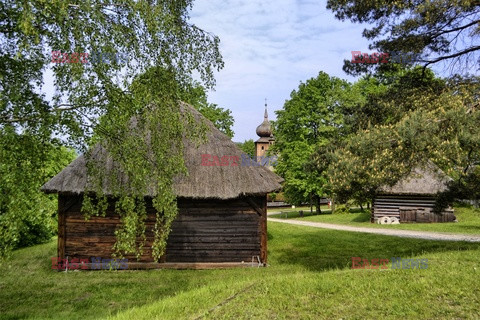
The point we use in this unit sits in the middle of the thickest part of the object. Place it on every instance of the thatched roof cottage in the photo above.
(412, 198)
(222, 211)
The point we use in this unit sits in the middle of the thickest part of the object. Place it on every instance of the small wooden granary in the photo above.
(412, 198)
(222, 211)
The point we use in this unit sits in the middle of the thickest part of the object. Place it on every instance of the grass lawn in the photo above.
(309, 277)
(468, 220)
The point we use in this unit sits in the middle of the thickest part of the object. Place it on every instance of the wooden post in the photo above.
(263, 236)
(262, 212)
(62, 204)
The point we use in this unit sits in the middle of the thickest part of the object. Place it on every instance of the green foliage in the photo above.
(313, 118)
(388, 96)
(248, 147)
(196, 95)
(441, 126)
(466, 187)
(27, 216)
(91, 99)
(221, 118)
(430, 28)
(342, 210)
(273, 196)
(143, 157)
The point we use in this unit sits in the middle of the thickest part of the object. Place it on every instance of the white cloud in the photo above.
(270, 46)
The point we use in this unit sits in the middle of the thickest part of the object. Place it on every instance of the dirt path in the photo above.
(428, 235)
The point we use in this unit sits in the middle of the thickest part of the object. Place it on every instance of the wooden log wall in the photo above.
(428, 216)
(205, 231)
(409, 208)
(216, 231)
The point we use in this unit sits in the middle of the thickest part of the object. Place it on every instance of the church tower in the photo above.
(264, 131)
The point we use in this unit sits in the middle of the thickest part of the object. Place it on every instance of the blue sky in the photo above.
(269, 46)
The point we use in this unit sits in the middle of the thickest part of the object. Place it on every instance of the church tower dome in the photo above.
(265, 129)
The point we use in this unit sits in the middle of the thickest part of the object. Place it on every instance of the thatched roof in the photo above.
(220, 182)
(426, 180)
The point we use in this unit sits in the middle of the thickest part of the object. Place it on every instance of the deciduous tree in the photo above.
(248, 147)
(312, 118)
(196, 95)
(440, 127)
(101, 96)
(439, 30)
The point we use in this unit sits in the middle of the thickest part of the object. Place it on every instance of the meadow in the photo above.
(309, 276)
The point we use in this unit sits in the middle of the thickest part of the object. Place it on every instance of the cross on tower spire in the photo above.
(266, 113)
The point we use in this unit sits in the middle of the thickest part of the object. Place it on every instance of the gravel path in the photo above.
(388, 232)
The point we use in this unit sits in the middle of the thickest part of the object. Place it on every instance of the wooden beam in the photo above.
(64, 203)
(263, 233)
(262, 212)
(259, 210)
(67, 202)
(61, 227)
(170, 265)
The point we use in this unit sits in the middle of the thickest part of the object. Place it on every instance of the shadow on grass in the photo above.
(358, 210)
(30, 289)
(269, 236)
(362, 217)
(320, 249)
(466, 205)
(469, 227)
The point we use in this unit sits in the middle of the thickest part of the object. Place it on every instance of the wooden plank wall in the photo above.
(94, 237)
(409, 208)
(220, 231)
(204, 231)
(428, 216)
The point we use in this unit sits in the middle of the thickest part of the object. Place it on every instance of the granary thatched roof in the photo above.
(425, 180)
(220, 182)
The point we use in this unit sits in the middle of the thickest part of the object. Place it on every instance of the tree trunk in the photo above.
(361, 207)
(317, 205)
(311, 205)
